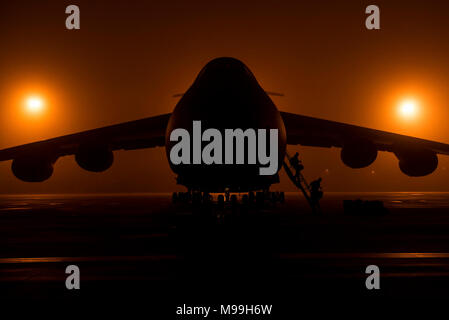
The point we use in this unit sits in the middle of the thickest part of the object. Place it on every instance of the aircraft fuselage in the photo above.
(226, 95)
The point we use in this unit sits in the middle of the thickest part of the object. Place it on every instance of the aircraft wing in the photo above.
(309, 131)
(138, 134)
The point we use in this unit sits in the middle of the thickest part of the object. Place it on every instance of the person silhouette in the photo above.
(316, 192)
(297, 165)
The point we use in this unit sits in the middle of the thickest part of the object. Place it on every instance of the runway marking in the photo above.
(368, 255)
(87, 259)
(343, 255)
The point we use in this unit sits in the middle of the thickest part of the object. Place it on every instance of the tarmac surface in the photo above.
(142, 248)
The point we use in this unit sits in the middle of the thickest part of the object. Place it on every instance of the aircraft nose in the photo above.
(225, 63)
(225, 73)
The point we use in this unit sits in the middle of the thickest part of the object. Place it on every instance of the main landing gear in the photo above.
(259, 198)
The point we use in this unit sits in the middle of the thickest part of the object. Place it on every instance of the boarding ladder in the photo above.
(301, 184)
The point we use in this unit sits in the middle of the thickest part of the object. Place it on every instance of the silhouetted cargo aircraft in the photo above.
(225, 95)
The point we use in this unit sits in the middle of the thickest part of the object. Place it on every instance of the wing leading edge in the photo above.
(309, 131)
(359, 145)
(138, 134)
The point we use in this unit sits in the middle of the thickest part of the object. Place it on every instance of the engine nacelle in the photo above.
(358, 154)
(94, 158)
(417, 163)
(32, 170)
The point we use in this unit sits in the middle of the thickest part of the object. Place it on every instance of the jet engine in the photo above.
(94, 158)
(417, 163)
(358, 154)
(32, 169)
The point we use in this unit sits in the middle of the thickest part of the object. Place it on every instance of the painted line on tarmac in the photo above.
(367, 255)
(87, 259)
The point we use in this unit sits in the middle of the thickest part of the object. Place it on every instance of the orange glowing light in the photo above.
(408, 108)
(34, 105)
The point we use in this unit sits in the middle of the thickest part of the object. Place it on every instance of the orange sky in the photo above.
(128, 59)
